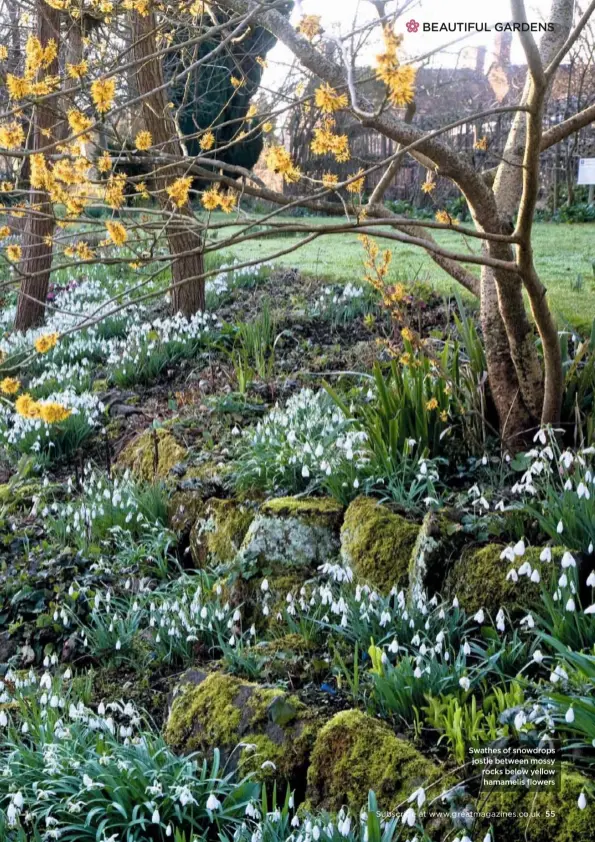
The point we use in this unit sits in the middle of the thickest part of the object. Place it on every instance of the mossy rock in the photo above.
(184, 509)
(217, 536)
(292, 532)
(249, 724)
(556, 815)
(377, 544)
(355, 753)
(478, 579)
(292, 658)
(317, 511)
(152, 455)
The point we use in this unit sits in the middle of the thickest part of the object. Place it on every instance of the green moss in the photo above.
(377, 544)
(222, 711)
(204, 716)
(139, 455)
(219, 534)
(317, 511)
(354, 753)
(185, 507)
(478, 579)
(559, 819)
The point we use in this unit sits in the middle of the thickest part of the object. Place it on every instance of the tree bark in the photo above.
(184, 239)
(36, 262)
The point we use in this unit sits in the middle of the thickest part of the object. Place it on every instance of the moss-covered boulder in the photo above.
(355, 753)
(256, 729)
(542, 816)
(377, 543)
(479, 579)
(217, 535)
(152, 455)
(291, 532)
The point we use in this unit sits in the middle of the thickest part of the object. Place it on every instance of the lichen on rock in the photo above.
(152, 455)
(355, 753)
(377, 544)
(294, 532)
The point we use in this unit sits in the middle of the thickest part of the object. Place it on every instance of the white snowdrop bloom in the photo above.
(582, 801)
(508, 554)
(500, 621)
(590, 549)
(466, 648)
(419, 795)
(560, 527)
(235, 431)
(570, 605)
(520, 720)
(46, 681)
(264, 585)
(559, 674)
(479, 617)
(568, 560)
(519, 548)
(464, 683)
(487, 837)
(213, 802)
(155, 818)
(305, 471)
(583, 491)
(538, 656)
(546, 554)
(569, 717)
(590, 609)
(525, 569)
(563, 581)
(528, 621)
(268, 764)
(118, 644)
(455, 603)
(591, 579)
(3, 719)
(169, 830)
(512, 575)
(417, 673)
(408, 818)
(535, 577)
(393, 646)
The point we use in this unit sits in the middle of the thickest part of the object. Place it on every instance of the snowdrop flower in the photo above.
(500, 623)
(3, 719)
(558, 674)
(582, 801)
(479, 617)
(590, 609)
(305, 472)
(419, 795)
(538, 656)
(409, 817)
(264, 585)
(487, 837)
(512, 575)
(569, 715)
(213, 802)
(464, 683)
(535, 577)
(568, 560)
(519, 548)
(591, 579)
(560, 527)
(118, 644)
(546, 554)
(155, 818)
(466, 648)
(520, 720)
(570, 605)
(344, 826)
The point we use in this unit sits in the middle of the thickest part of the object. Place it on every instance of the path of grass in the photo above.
(562, 253)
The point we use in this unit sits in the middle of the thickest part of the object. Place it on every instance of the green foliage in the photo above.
(254, 352)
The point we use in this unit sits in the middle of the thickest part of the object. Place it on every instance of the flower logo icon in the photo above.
(412, 25)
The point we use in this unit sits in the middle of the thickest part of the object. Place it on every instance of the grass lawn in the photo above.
(562, 253)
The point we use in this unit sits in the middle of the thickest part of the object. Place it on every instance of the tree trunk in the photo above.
(184, 238)
(36, 262)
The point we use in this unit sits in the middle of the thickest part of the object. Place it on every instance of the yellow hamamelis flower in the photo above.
(4, 231)
(54, 413)
(481, 144)
(207, 141)
(10, 385)
(116, 232)
(104, 163)
(212, 199)
(398, 78)
(79, 122)
(328, 100)
(102, 94)
(178, 191)
(429, 185)
(143, 141)
(279, 161)
(432, 404)
(330, 180)
(309, 26)
(13, 253)
(445, 218)
(77, 71)
(27, 407)
(12, 135)
(114, 190)
(3, 52)
(356, 186)
(45, 343)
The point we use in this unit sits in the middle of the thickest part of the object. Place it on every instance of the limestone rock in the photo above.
(152, 455)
